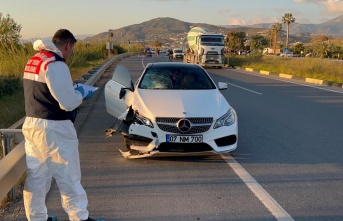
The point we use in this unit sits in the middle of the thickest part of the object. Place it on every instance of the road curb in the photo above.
(288, 76)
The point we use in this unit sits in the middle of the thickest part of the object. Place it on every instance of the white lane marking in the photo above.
(276, 210)
(292, 82)
(244, 88)
(143, 62)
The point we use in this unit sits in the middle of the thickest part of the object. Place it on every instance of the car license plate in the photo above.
(183, 138)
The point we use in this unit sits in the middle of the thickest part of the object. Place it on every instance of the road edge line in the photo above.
(266, 199)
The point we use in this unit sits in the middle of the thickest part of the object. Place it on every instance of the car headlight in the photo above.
(226, 120)
(139, 119)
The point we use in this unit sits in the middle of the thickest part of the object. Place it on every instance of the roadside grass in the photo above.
(13, 60)
(12, 108)
(12, 64)
(12, 105)
(323, 69)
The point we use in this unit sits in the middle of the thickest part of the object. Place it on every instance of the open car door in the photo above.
(118, 91)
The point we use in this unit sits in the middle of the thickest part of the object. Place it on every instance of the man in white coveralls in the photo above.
(51, 142)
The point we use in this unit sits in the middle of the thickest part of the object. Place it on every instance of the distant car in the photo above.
(178, 53)
(168, 51)
(148, 52)
(288, 54)
(242, 52)
(173, 107)
(308, 54)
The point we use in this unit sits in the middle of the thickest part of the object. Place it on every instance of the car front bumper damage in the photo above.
(147, 141)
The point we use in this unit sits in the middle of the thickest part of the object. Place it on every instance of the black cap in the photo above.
(63, 36)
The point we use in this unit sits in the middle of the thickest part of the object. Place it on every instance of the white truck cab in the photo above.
(177, 53)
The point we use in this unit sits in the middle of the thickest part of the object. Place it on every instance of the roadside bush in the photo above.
(85, 52)
(12, 108)
(9, 85)
(323, 69)
(239, 60)
(13, 61)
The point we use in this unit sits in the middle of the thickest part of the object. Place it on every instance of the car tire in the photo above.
(128, 143)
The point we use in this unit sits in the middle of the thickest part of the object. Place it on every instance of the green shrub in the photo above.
(9, 85)
(13, 61)
(12, 108)
(86, 52)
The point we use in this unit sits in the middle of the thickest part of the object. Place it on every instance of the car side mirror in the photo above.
(122, 93)
(222, 86)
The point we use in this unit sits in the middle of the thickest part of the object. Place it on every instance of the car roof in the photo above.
(174, 65)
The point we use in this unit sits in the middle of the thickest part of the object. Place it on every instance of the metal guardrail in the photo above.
(8, 137)
(13, 165)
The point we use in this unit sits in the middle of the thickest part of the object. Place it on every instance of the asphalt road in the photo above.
(288, 164)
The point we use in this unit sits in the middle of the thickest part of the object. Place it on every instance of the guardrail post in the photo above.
(3, 143)
(6, 148)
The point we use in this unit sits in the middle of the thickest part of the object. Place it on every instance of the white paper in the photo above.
(86, 88)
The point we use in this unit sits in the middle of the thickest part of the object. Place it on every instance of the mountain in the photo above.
(171, 31)
(78, 37)
(161, 29)
(333, 27)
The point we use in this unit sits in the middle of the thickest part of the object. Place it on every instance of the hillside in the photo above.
(165, 30)
(333, 27)
(171, 31)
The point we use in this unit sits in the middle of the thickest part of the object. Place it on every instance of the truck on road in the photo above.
(271, 51)
(177, 53)
(205, 48)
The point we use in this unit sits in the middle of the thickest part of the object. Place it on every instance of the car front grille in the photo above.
(198, 125)
(212, 55)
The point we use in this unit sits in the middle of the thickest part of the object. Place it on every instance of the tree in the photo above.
(275, 29)
(258, 42)
(319, 38)
(236, 39)
(298, 48)
(336, 48)
(287, 19)
(322, 49)
(157, 44)
(9, 32)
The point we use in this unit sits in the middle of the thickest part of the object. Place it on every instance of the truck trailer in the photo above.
(205, 48)
(271, 51)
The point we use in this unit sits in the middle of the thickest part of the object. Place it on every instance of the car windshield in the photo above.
(212, 40)
(175, 78)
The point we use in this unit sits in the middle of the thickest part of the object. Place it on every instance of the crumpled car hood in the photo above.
(180, 103)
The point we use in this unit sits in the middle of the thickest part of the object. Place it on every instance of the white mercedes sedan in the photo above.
(173, 107)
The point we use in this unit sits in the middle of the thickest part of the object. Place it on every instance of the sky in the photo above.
(42, 18)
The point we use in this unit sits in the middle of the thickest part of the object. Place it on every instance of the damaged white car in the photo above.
(173, 107)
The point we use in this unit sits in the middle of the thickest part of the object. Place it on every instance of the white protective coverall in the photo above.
(52, 147)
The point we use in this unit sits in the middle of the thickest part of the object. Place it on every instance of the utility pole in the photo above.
(109, 44)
